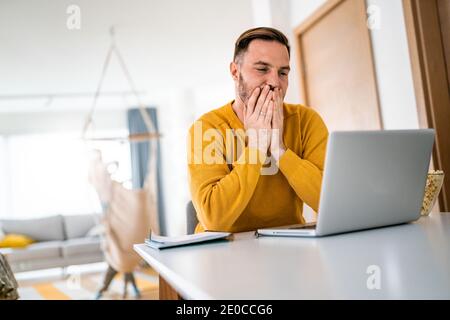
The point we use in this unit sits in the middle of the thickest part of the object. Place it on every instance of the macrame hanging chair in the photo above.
(129, 215)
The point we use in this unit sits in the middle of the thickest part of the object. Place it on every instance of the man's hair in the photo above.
(263, 33)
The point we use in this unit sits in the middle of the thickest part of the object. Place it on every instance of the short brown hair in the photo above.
(263, 33)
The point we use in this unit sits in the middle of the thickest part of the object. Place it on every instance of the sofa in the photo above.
(60, 241)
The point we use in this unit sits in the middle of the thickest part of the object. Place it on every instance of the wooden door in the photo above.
(428, 29)
(337, 75)
(444, 20)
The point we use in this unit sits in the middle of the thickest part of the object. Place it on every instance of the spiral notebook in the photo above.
(162, 242)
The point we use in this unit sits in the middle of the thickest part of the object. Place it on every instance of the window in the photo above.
(45, 174)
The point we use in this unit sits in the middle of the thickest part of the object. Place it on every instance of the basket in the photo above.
(433, 186)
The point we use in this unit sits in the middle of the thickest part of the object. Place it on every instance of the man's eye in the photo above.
(262, 70)
(284, 73)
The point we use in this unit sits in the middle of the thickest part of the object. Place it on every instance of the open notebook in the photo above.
(162, 242)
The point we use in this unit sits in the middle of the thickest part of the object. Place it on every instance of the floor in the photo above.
(82, 283)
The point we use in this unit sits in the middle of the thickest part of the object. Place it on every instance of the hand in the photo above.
(277, 148)
(258, 117)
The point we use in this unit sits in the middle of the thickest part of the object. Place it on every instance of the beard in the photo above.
(244, 91)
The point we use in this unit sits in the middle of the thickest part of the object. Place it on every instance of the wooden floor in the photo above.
(82, 284)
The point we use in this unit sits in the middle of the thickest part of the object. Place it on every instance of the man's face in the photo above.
(264, 62)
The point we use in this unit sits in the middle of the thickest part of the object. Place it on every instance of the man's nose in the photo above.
(273, 80)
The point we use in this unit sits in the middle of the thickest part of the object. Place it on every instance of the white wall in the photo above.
(167, 44)
(393, 66)
(302, 9)
(262, 13)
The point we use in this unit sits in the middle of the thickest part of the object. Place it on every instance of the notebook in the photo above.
(162, 242)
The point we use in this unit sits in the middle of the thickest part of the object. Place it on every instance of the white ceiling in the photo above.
(168, 45)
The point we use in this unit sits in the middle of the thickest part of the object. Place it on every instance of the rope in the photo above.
(151, 164)
(114, 49)
(147, 120)
(150, 127)
(89, 118)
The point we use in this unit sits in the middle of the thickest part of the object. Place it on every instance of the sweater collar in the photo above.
(232, 116)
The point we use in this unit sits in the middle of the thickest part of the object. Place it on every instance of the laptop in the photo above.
(371, 179)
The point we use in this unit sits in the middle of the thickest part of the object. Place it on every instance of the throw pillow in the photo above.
(15, 241)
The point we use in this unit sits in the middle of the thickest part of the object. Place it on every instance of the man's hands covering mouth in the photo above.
(263, 120)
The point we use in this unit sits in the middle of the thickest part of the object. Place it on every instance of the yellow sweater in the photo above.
(234, 196)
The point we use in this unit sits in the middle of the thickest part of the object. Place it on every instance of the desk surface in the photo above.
(411, 260)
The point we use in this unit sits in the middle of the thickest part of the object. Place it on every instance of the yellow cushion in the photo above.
(15, 241)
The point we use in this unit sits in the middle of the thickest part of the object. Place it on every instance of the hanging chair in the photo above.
(129, 215)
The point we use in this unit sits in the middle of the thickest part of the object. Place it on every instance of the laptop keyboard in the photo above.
(304, 226)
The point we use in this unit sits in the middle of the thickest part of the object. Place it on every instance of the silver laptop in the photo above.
(372, 179)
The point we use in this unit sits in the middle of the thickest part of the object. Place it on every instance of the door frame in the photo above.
(430, 81)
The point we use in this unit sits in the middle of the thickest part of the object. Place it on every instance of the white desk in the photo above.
(414, 262)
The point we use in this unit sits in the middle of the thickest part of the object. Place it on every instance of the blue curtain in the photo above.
(139, 158)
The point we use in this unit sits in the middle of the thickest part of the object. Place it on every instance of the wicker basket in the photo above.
(8, 284)
(435, 180)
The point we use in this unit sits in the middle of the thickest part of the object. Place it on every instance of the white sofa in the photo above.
(61, 241)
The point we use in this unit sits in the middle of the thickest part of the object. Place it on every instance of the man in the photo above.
(235, 191)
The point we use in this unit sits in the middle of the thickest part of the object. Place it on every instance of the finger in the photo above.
(265, 107)
(278, 98)
(261, 99)
(252, 101)
(269, 114)
(275, 96)
(279, 102)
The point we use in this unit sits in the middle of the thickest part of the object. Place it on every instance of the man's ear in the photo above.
(234, 71)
